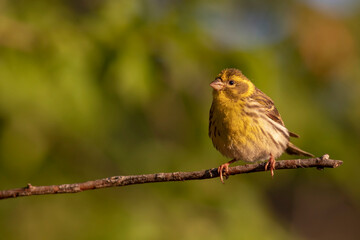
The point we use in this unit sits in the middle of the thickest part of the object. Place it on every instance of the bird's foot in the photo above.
(271, 164)
(223, 170)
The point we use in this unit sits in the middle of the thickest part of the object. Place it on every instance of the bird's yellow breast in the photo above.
(230, 128)
(237, 133)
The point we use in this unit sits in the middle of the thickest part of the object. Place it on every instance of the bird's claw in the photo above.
(271, 163)
(223, 171)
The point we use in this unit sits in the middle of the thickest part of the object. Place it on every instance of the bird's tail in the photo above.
(294, 150)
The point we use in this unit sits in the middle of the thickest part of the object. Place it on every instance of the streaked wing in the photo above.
(268, 105)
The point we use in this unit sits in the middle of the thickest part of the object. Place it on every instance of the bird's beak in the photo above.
(217, 84)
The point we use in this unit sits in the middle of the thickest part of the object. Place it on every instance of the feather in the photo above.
(268, 105)
(294, 150)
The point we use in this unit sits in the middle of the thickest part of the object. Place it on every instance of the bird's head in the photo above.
(232, 85)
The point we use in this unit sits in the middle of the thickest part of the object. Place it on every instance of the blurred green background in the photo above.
(91, 89)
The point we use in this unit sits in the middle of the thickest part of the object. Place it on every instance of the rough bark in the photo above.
(117, 181)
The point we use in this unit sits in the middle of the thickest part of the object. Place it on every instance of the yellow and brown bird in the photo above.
(244, 123)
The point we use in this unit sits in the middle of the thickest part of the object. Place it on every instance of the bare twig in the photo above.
(117, 181)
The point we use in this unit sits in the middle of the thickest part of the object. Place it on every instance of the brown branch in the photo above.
(117, 181)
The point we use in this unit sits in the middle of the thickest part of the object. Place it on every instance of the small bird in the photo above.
(244, 123)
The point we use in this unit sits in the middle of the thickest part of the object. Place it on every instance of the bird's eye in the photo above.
(231, 82)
